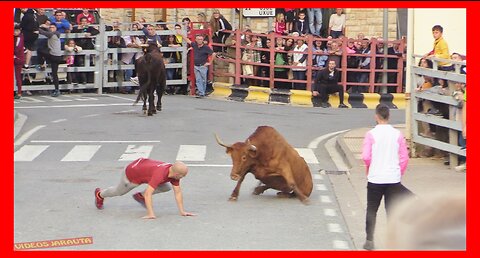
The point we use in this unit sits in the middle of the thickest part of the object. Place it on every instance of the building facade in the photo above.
(368, 21)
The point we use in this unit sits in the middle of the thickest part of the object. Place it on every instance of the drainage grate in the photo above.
(333, 172)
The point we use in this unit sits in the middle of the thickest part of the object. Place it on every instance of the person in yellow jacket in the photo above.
(440, 49)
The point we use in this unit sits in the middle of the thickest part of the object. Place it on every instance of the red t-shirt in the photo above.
(149, 171)
(90, 18)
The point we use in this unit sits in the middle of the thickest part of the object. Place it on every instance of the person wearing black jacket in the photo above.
(29, 25)
(85, 42)
(327, 83)
(219, 24)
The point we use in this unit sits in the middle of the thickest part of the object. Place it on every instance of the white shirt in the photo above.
(385, 154)
(337, 23)
(298, 56)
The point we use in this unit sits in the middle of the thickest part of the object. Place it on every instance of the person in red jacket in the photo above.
(18, 59)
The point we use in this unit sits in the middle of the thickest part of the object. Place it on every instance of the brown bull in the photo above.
(269, 157)
(151, 76)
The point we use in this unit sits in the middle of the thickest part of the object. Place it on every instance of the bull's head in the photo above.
(243, 157)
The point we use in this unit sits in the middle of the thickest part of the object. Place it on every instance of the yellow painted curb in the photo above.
(221, 89)
(371, 100)
(258, 94)
(301, 97)
(399, 100)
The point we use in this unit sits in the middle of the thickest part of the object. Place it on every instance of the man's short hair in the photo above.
(382, 111)
(437, 27)
(200, 35)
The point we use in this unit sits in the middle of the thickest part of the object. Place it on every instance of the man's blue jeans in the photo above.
(315, 20)
(201, 79)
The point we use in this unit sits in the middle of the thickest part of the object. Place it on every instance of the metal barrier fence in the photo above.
(374, 73)
(445, 98)
(102, 64)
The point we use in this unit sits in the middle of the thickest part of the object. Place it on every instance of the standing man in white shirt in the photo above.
(336, 26)
(386, 157)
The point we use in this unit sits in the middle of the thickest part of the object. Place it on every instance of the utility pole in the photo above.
(383, 89)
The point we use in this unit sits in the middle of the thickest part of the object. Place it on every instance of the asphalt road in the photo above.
(75, 143)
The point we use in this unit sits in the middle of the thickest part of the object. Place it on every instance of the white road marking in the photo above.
(325, 199)
(317, 177)
(26, 135)
(71, 141)
(329, 212)
(59, 120)
(76, 106)
(29, 152)
(340, 244)
(308, 155)
(334, 228)
(314, 144)
(118, 97)
(134, 152)
(209, 165)
(92, 115)
(80, 98)
(56, 99)
(191, 153)
(81, 153)
(30, 100)
(320, 187)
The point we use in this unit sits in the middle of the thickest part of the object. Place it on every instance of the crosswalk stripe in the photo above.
(30, 100)
(308, 155)
(134, 152)
(29, 152)
(81, 153)
(191, 152)
(56, 99)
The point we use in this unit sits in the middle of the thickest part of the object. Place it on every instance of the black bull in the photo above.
(151, 76)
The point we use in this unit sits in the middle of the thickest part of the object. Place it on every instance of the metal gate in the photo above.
(103, 65)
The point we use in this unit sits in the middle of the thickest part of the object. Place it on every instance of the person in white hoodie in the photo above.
(300, 61)
(386, 157)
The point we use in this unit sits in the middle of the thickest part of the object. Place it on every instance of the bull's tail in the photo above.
(142, 93)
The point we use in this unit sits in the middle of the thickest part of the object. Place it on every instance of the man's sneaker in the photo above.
(56, 93)
(325, 105)
(139, 198)
(135, 80)
(98, 199)
(369, 245)
(342, 106)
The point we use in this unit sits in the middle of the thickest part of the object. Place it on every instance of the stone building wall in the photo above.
(366, 20)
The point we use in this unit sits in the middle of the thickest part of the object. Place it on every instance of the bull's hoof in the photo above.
(258, 190)
(159, 108)
(285, 195)
(306, 201)
(154, 111)
(150, 113)
(232, 199)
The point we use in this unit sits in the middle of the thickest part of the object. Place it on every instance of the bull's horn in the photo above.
(221, 143)
(251, 146)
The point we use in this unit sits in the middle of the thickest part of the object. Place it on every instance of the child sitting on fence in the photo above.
(70, 50)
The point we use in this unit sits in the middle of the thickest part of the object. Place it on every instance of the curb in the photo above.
(348, 155)
(18, 122)
(244, 93)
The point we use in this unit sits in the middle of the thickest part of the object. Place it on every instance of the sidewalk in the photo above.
(424, 176)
